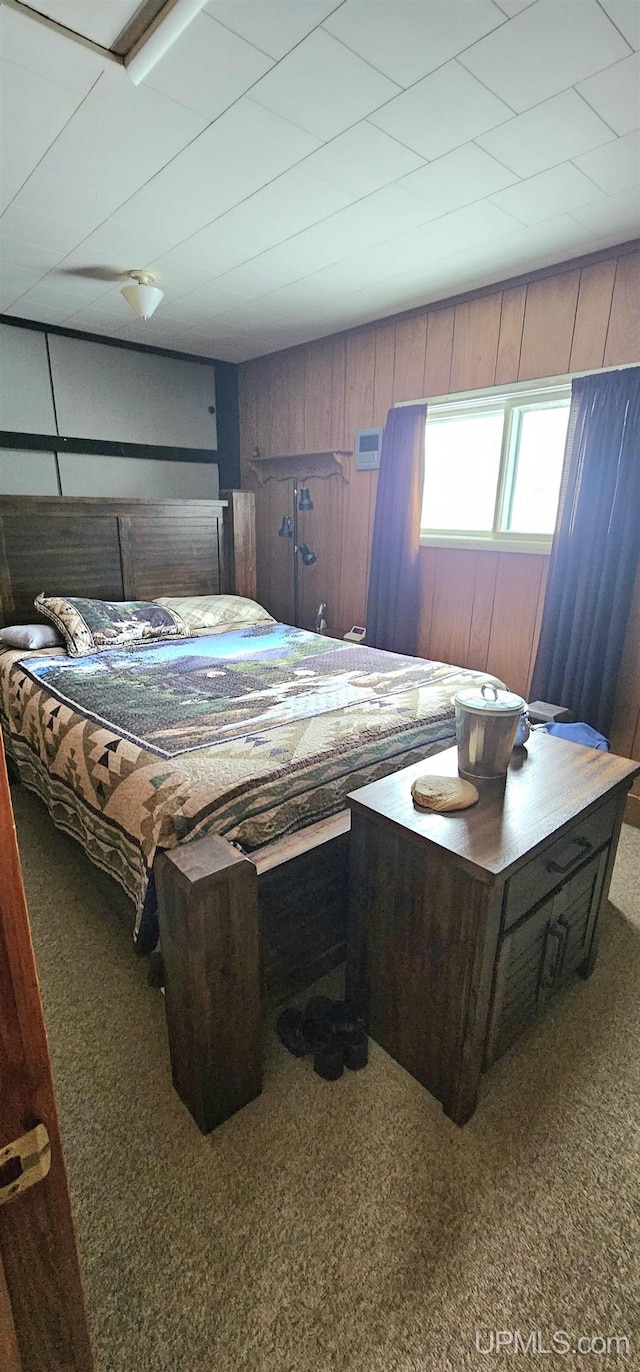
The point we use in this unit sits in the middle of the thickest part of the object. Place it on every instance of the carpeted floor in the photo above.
(347, 1225)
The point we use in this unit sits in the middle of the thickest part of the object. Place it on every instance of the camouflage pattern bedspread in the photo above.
(252, 734)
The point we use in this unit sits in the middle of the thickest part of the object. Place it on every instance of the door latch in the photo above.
(24, 1162)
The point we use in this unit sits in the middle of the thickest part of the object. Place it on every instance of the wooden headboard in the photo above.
(123, 549)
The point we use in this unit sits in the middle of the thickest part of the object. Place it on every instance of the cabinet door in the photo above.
(518, 979)
(569, 934)
(541, 952)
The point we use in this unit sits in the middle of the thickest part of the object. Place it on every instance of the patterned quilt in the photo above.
(252, 734)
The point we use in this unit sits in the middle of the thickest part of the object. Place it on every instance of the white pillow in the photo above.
(30, 636)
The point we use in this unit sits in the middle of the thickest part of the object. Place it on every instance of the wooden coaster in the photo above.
(443, 793)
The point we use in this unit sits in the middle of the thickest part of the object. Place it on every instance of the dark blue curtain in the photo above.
(392, 604)
(595, 550)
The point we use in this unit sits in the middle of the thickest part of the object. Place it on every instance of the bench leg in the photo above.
(208, 917)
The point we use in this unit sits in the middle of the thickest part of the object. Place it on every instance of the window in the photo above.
(493, 467)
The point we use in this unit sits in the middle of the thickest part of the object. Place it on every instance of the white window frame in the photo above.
(510, 400)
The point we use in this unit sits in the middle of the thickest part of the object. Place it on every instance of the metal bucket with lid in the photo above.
(486, 723)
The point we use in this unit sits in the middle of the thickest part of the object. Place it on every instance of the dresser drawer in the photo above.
(554, 864)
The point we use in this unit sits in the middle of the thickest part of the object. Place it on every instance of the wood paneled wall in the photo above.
(478, 609)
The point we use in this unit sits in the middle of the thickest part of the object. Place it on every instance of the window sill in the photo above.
(478, 543)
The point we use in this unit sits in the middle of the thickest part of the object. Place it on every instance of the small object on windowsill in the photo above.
(442, 794)
(320, 624)
(356, 634)
(541, 712)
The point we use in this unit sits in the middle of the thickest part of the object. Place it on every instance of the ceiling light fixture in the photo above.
(172, 20)
(143, 296)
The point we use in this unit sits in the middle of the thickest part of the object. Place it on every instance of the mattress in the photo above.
(251, 734)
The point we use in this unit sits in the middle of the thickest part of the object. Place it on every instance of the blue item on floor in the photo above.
(579, 733)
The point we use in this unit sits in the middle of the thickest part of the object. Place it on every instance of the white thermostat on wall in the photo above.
(368, 445)
(356, 634)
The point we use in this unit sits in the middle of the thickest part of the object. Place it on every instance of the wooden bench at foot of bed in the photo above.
(240, 933)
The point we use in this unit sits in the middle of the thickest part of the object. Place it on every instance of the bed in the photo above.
(206, 774)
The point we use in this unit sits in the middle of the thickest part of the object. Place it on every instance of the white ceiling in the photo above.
(294, 167)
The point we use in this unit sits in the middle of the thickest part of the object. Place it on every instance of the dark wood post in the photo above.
(239, 543)
(208, 915)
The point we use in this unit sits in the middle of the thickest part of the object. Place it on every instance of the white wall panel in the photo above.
(118, 395)
(27, 473)
(137, 477)
(26, 404)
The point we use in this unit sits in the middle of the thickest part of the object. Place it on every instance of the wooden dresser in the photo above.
(462, 925)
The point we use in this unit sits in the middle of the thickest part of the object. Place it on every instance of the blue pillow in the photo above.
(579, 733)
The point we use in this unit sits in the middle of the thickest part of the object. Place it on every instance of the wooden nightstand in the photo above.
(462, 925)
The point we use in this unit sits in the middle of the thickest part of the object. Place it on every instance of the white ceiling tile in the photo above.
(302, 294)
(290, 203)
(208, 68)
(548, 47)
(17, 253)
(617, 214)
(8, 192)
(243, 150)
(461, 177)
(259, 312)
(362, 160)
(182, 197)
(444, 110)
(181, 276)
(406, 40)
(209, 252)
(552, 132)
(233, 349)
(615, 167)
(65, 303)
(561, 233)
(29, 227)
(615, 94)
(91, 320)
(65, 199)
(512, 7)
(323, 87)
(275, 26)
(350, 273)
(626, 17)
(121, 136)
(40, 229)
(40, 314)
(100, 22)
(33, 111)
(369, 221)
(114, 241)
(8, 302)
(108, 307)
(14, 281)
(461, 231)
(474, 230)
(47, 53)
(84, 277)
(549, 193)
(194, 306)
(244, 283)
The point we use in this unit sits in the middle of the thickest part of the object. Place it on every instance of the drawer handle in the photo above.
(582, 844)
(559, 931)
